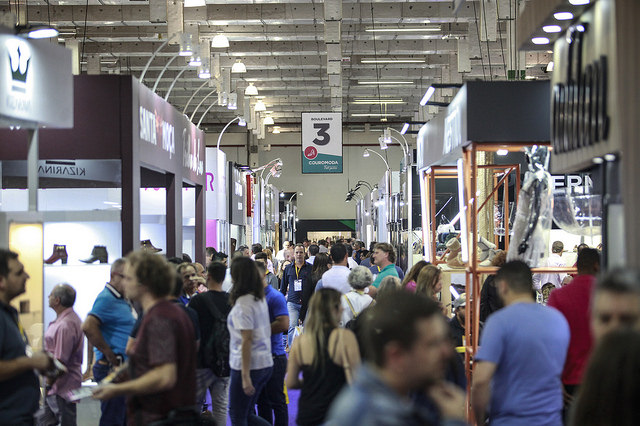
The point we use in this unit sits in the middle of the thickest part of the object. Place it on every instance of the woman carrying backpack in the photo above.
(250, 342)
(327, 356)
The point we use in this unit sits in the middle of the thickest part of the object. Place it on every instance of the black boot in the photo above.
(98, 253)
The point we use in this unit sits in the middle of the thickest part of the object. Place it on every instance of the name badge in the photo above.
(297, 285)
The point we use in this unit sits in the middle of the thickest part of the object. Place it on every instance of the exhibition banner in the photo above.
(322, 142)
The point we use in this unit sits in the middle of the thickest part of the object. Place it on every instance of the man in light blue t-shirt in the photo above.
(108, 327)
(522, 352)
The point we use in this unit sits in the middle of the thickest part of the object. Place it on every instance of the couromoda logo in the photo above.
(19, 60)
(310, 152)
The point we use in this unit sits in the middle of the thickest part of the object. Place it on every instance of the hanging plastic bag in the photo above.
(530, 241)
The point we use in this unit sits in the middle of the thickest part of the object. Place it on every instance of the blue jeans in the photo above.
(241, 405)
(114, 410)
(272, 403)
(294, 315)
(219, 390)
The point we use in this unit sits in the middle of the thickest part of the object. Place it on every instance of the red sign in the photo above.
(310, 152)
(249, 196)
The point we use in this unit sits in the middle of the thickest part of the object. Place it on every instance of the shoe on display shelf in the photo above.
(146, 245)
(59, 253)
(98, 253)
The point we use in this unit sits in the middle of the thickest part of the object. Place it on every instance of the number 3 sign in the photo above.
(322, 142)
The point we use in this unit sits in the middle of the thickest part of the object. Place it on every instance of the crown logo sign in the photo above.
(19, 60)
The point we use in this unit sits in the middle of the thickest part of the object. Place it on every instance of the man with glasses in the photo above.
(107, 328)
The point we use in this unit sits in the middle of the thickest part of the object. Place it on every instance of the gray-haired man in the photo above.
(63, 339)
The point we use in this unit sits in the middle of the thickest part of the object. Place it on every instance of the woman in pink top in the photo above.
(409, 281)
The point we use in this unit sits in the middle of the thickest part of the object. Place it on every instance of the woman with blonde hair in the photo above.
(429, 282)
(410, 280)
(325, 354)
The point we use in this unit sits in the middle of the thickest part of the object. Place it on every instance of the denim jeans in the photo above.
(272, 403)
(114, 410)
(219, 389)
(294, 314)
(241, 405)
(56, 410)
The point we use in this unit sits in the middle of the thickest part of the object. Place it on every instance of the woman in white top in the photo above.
(250, 342)
(356, 300)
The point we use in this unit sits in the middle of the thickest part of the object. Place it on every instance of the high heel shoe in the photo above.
(98, 253)
(59, 253)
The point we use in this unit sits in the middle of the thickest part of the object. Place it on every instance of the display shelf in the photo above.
(82, 216)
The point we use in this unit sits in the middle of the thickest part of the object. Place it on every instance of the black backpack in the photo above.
(216, 348)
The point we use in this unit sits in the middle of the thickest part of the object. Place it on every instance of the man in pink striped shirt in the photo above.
(64, 339)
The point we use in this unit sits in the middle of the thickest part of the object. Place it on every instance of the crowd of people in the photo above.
(365, 343)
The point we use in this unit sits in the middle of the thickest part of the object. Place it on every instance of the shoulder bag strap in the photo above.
(353, 311)
(212, 307)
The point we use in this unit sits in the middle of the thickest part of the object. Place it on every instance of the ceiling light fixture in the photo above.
(238, 67)
(204, 72)
(563, 16)
(431, 28)
(194, 3)
(382, 82)
(377, 101)
(366, 153)
(372, 114)
(392, 61)
(260, 106)
(251, 90)
(220, 41)
(405, 127)
(552, 28)
(540, 40)
(41, 31)
(268, 121)
(195, 61)
(186, 46)
(232, 101)
(276, 130)
(432, 89)
(579, 2)
(550, 66)
(427, 95)
(242, 122)
(502, 152)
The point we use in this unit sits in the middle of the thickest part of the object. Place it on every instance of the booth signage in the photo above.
(216, 186)
(236, 201)
(163, 134)
(36, 84)
(322, 142)
(89, 170)
(572, 181)
(580, 116)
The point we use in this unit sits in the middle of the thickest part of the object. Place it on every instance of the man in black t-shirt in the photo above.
(19, 386)
(206, 378)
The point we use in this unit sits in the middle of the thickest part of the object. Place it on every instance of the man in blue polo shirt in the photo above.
(108, 327)
(295, 277)
(272, 403)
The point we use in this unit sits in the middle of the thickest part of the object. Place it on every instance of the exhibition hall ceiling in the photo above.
(371, 60)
